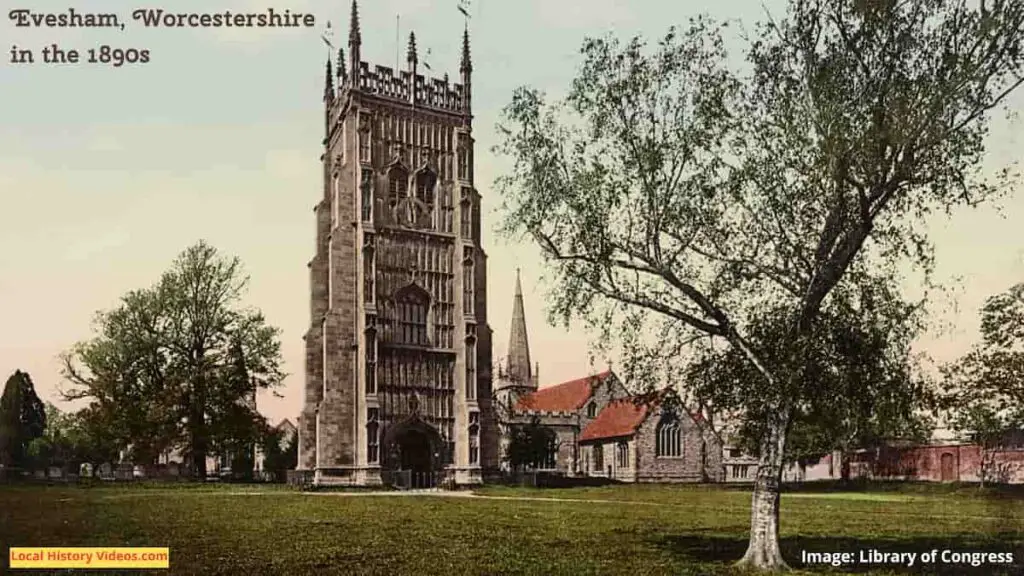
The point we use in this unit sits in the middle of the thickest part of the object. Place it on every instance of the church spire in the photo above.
(518, 363)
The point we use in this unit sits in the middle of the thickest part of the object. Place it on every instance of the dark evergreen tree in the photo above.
(22, 419)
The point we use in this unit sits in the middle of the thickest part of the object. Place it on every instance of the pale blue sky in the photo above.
(106, 174)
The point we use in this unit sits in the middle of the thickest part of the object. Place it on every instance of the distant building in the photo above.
(600, 429)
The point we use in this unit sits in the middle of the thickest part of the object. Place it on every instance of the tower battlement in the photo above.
(419, 90)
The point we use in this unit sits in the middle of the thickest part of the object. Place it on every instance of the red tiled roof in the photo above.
(564, 397)
(619, 418)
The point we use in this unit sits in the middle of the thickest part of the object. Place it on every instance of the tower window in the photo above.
(412, 306)
(398, 186)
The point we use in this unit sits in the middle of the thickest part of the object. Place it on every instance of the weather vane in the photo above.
(327, 35)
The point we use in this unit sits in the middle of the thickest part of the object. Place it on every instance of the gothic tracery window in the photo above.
(668, 439)
(398, 186)
(412, 306)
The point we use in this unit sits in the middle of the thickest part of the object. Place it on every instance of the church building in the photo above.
(600, 429)
(398, 351)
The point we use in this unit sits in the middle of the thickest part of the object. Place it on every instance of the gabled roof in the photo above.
(564, 397)
(285, 424)
(618, 418)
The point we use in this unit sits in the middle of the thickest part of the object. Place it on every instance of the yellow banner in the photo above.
(95, 558)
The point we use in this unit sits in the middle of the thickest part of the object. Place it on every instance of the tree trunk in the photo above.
(763, 551)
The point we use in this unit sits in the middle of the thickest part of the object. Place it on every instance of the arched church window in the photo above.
(598, 459)
(592, 410)
(412, 306)
(398, 186)
(622, 454)
(668, 439)
(425, 181)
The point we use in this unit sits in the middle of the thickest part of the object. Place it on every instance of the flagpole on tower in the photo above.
(398, 24)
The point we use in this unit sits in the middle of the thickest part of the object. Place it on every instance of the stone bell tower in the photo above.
(398, 350)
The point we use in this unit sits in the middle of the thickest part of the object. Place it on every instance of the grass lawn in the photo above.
(232, 529)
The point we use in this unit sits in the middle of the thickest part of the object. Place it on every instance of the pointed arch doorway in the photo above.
(415, 452)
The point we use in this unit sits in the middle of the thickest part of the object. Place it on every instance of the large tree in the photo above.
(865, 387)
(984, 392)
(178, 365)
(22, 419)
(671, 195)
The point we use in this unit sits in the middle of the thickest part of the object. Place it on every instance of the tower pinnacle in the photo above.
(354, 41)
(411, 53)
(518, 363)
(353, 29)
(467, 65)
(329, 83)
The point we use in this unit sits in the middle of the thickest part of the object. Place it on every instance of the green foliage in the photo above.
(862, 385)
(177, 365)
(278, 455)
(675, 198)
(22, 419)
(984, 392)
(71, 439)
(531, 446)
